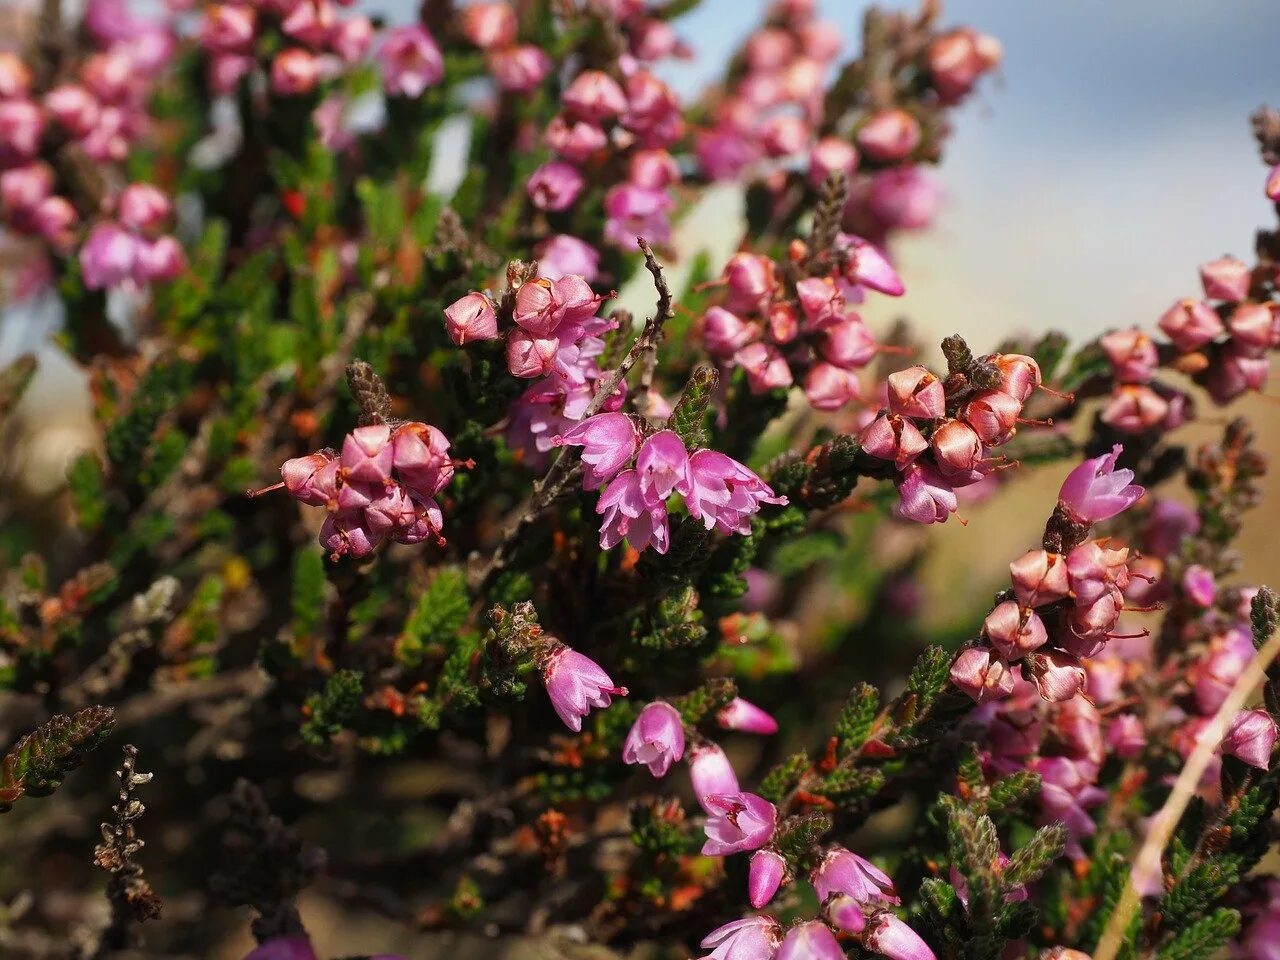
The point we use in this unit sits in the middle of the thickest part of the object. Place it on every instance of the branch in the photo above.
(131, 897)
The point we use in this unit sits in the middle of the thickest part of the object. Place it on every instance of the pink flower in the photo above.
(656, 738)
(1226, 278)
(411, 61)
(843, 871)
(158, 260)
(1014, 632)
(723, 152)
(916, 392)
(711, 773)
(1251, 738)
(957, 59)
(869, 267)
(663, 466)
(1132, 354)
(981, 674)
(627, 513)
(420, 455)
(563, 254)
(283, 948)
(750, 280)
(765, 366)
(831, 155)
(1125, 736)
(893, 438)
(352, 38)
(519, 69)
(746, 716)
(635, 211)
(725, 333)
(489, 25)
(368, 454)
(227, 28)
(829, 387)
(21, 127)
(924, 495)
(958, 453)
(347, 533)
(1134, 408)
(608, 442)
(653, 111)
(1058, 675)
(108, 256)
(294, 72)
(812, 940)
(143, 207)
(737, 822)
(1097, 491)
(904, 198)
(768, 869)
(594, 95)
(892, 938)
(1039, 577)
(1190, 324)
(1272, 187)
(993, 414)
(751, 938)
(575, 684)
(844, 913)
(55, 219)
(310, 22)
(575, 140)
(889, 135)
(555, 186)
(471, 318)
(1199, 585)
(725, 494)
(73, 107)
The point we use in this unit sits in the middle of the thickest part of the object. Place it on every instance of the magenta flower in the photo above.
(1097, 491)
(889, 135)
(563, 254)
(158, 260)
(1190, 324)
(594, 95)
(751, 938)
(411, 61)
(1067, 792)
(844, 913)
(575, 684)
(471, 318)
(812, 940)
(916, 392)
(143, 207)
(750, 279)
(725, 494)
(608, 442)
(627, 513)
(663, 466)
(1014, 632)
(1251, 738)
(519, 69)
(924, 495)
(107, 258)
(982, 674)
(711, 773)
(869, 267)
(738, 822)
(283, 948)
(746, 716)
(555, 186)
(893, 438)
(768, 868)
(1227, 278)
(367, 454)
(892, 938)
(348, 533)
(1058, 675)
(843, 871)
(420, 453)
(1038, 577)
(1199, 585)
(656, 738)
(294, 72)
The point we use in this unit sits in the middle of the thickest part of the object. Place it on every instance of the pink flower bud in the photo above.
(411, 61)
(575, 301)
(765, 367)
(489, 25)
(283, 948)
(367, 454)
(519, 69)
(471, 318)
(993, 414)
(750, 280)
(653, 111)
(656, 738)
(1251, 738)
(892, 938)
(1039, 577)
(746, 716)
(904, 198)
(159, 260)
(555, 186)
(737, 822)
(889, 135)
(1226, 279)
(1253, 326)
(55, 219)
(821, 301)
(72, 107)
(831, 155)
(812, 940)
(22, 188)
(108, 256)
(711, 773)
(829, 387)
(1058, 676)
(392, 509)
(893, 438)
(310, 22)
(530, 356)
(15, 77)
(21, 127)
(752, 938)
(575, 684)
(844, 913)
(294, 72)
(1014, 632)
(842, 871)
(957, 59)
(575, 140)
(227, 28)
(1125, 735)
(981, 674)
(957, 451)
(1134, 408)
(653, 169)
(348, 534)
(1190, 324)
(536, 309)
(352, 38)
(304, 480)
(1272, 188)
(143, 207)
(1236, 372)
(1132, 355)
(924, 495)
(848, 343)
(768, 869)
(227, 70)
(1213, 677)
(868, 267)
(594, 95)
(420, 458)
(916, 392)
(1097, 491)
(1199, 585)
(724, 333)
(563, 254)
(608, 441)
(784, 135)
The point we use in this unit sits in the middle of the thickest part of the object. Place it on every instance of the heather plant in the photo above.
(432, 585)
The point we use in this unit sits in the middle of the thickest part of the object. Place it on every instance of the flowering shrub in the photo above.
(433, 585)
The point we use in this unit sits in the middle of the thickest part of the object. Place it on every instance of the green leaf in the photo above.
(1204, 938)
(1030, 862)
(333, 708)
(37, 764)
(440, 612)
(858, 717)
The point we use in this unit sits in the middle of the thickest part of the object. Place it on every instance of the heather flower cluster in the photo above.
(133, 248)
(716, 489)
(382, 486)
(781, 332)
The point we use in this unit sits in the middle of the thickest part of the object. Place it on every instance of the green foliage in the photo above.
(438, 615)
(85, 480)
(1204, 938)
(37, 763)
(333, 708)
(689, 416)
(858, 717)
(783, 778)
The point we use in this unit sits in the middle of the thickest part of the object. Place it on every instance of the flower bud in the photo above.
(848, 343)
(1251, 738)
(924, 495)
(981, 674)
(893, 438)
(784, 135)
(159, 260)
(724, 333)
(1014, 632)
(746, 716)
(1058, 676)
(812, 940)
(1190, 324)
(820, 300)
(916, 392)
(143, 207)
(1134, 408)
(107, 257)
(1125, 736)
(563, 254)
(889, 135)
(868, 267)
(73, 107)
(420, 457)
(653, 169)
(294, 72)
(831, 155)
(575, 684)
(348, 534)
(1199, 585)
(530, 356)
(1226, 279)
(471, 318)
(768, 869)
(765, 367)
(555, 186)
(1132, 354)
(300, 478)
(352, 38)
(1039, 577)
(711, 773)
(892, 938)
(829, 387)
(55, 219)
(21, 127)
(22, 188)
(750, 280)
(519, 69)
(903, 198)
(957, 451)
(594, 95)
(1236, 372)
(489, 25)
(993, 414)
(844, 913)
(1253, 326)
(367, 454)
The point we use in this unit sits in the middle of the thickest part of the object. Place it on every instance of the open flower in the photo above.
(843, 871)
(725, 494)
(738, 822)
(656, 738)
(1097, 491)
(751, 938)
(575, 684)
(608, 442)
